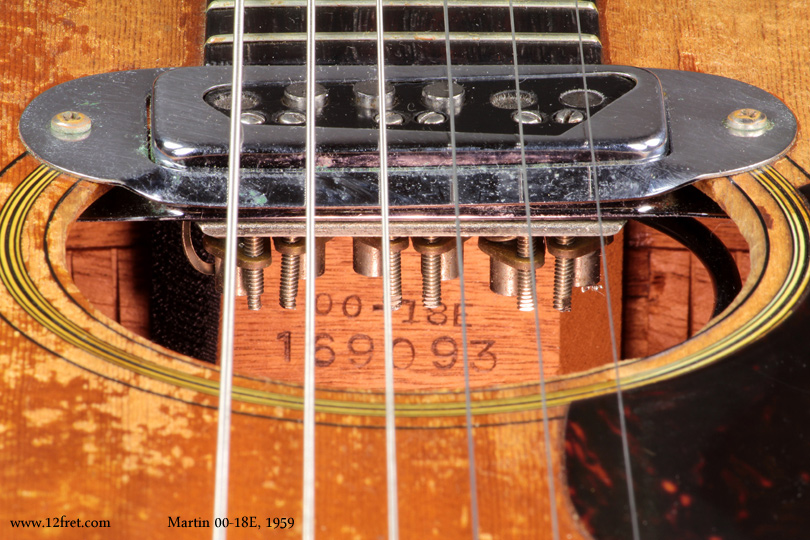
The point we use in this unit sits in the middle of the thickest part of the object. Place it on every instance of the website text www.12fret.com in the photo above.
(60, 522)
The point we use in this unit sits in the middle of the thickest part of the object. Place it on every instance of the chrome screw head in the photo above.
(528, 117)
(568, 116)
(291, 118)
(431, 118)
(252, 118)
(71, 126)
(392, 118)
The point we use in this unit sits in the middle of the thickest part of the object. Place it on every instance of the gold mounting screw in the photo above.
(747, 123)
(71, 126)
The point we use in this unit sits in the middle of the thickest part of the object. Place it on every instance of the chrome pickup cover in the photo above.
(161, 134)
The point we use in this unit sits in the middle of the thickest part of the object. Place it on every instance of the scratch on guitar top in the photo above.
(782, 382)
(39, 418)
(187, 462)
(85, 426)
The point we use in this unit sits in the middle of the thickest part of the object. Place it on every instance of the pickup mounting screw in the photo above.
(747, 123)
(71, 126)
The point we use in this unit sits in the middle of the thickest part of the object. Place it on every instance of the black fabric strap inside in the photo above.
(184, 307)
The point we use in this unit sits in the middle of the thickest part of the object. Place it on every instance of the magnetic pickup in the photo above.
(164, 133)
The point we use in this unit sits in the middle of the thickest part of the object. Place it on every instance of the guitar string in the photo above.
(471, 466)
(308, 491)
(594, 180)
(385, 246)
(523, 181)
(222, 467)
(227, 344)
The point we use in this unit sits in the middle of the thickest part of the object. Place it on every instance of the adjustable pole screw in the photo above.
(525, 299)
(396, 280)
(440, 260)
(563, 278)
(367, 261)
(510, 271)
(290, 272)
(292, 249)
(431, 277)
(251, 260)
(253, 279)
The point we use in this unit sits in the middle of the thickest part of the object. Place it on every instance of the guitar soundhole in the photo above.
(667, 298)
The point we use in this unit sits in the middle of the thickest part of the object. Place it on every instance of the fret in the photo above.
(406, 48)
(585, 7)
(295, 37)
(405, 18)
(480, 31)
